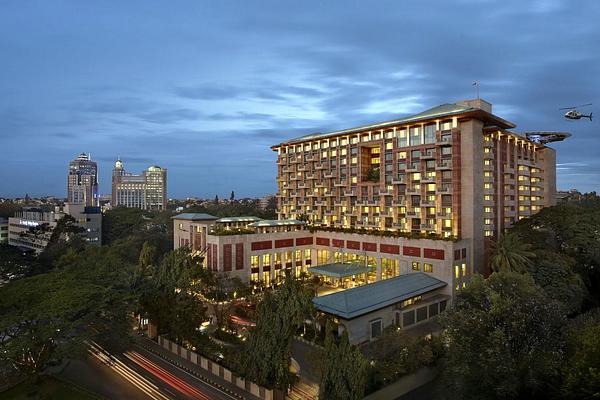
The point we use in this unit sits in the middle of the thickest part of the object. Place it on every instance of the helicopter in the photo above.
(574, 114)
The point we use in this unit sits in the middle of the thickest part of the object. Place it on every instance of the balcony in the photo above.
(524, 191)
(428, 179)
(444, 165)
(400, 201)
(526, 162)
(329, 174)
(413, 191)
(413, 214)
(341, 184)
(444, 215)
(536, 174)
(427, 203)
(444, 189)
(488, 155)
(320, 166)
(401, 180)
(445, 140)
(350, 192)
(428, 155)
(413, 168)
(428, 227)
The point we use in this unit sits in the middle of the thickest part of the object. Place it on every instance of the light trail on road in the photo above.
(126, 372)
(166, 376)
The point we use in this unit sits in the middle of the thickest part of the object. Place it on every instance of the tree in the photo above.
(232, 197)
(511, 253)
(49, 316)
(216, 199)
(555, 273)
(505, 339)
(267, 354)
(344, 369)
(16, 263)
(570, 229)
(297, 300)
(582, 370)
(168, 294)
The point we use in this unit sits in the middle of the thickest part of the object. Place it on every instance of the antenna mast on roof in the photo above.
(476, 84)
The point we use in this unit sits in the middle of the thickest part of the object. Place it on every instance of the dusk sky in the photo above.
(205, 88)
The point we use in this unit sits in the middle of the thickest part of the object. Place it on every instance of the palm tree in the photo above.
(511, 253)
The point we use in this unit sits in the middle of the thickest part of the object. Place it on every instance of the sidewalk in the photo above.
(194, 369)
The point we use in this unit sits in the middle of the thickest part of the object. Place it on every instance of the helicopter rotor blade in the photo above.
(574, 107)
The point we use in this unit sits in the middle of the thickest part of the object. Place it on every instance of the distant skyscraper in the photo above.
(147, 191)
(82, 181)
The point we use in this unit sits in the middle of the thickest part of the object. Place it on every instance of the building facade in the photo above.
(147, 190)
(3, 230)
(455, 170)
(82, 181)
(31, 229)
(419, 195)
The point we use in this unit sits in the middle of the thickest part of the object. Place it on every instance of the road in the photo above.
(138, 374)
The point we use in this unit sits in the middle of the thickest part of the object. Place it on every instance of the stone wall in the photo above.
(220, 371)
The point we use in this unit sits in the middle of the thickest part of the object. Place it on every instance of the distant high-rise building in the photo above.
(82, 181)
(147, 190)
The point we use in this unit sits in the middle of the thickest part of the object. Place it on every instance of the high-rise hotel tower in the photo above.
(454, 170)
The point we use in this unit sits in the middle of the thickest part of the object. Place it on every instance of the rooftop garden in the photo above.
(383, 233)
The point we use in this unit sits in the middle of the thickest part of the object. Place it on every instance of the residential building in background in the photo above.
(265, 201)
(82, 181)
(3, 230)
(31, 229)
(393, 217)
(147, 190)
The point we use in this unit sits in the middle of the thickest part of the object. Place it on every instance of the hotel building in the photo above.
(399, 213)
(147, 191)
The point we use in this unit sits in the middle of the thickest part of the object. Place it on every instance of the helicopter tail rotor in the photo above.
(590, 116)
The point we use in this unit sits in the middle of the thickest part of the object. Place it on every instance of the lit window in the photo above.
(456, 271)
(428, 267)
(416, 266)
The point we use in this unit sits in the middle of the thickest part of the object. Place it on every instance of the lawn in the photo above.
(49, 388)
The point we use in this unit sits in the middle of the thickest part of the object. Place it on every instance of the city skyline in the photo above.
(177, 87)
